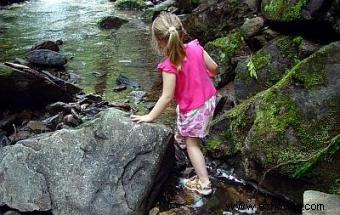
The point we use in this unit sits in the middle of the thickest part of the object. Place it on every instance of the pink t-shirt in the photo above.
(193, 85)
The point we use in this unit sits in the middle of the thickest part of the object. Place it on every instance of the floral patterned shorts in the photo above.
(195, 123)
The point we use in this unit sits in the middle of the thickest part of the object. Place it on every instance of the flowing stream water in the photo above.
(98, 57)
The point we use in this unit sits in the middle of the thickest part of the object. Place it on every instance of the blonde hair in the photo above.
(167, 29)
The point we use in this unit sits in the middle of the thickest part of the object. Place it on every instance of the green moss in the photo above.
(311, 75)
(215, 142)
(130, 4)
(226, 46)
(272, 122)
(275, 114)
(327, 152)
(298, 40)
(283, 10)
(290, 47)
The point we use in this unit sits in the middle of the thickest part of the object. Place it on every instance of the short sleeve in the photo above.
(166, 66)
(195, 43)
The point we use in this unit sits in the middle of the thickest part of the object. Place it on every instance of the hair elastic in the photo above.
(172, 29)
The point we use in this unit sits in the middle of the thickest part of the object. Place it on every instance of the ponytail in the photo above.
(175, 49)
(167, 30)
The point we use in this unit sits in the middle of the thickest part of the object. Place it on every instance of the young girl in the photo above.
(185, 72)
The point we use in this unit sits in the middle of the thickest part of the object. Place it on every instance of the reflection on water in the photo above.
(90, 50)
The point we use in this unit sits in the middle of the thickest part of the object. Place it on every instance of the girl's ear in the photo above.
(162, 44)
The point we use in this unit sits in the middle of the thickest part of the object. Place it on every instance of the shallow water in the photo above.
(97, 56)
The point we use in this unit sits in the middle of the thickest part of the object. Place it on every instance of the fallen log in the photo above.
(22, 87)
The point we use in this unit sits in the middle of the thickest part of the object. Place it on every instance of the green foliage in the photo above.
(283, 10)
(257, 62)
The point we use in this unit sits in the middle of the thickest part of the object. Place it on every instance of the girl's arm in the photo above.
(169, 84)
(210, 63)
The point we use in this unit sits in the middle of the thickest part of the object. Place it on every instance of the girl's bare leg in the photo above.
(197, 159)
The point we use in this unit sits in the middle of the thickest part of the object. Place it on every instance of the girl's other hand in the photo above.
(139, 119)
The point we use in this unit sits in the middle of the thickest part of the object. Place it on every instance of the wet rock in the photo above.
(21, 86)
(10, 212)
(108, 166)
(321, 203)
(293, 123)
(53, 121)
(150, 105)
(137, 96)
(151, 13)
(70, 120)
(123, 80)
(333, 16)
(46, 57)
(112, 22)
(267, 66)
(120, 87)
(307, 48)
(252, 26)
(213, 19)
(226, 99)
(74, 78)
(37, 126)
(8, 2)
(20, 135)
(7, 120)
(50, 45)
(122, 105)
(4, 141)
(21, 61)
(61, 107)
(222, 50)
(130, 4)
(89, 98)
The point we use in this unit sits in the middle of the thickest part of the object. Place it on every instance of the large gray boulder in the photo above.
(107, 166)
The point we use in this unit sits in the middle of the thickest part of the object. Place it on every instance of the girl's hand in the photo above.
(139, 119)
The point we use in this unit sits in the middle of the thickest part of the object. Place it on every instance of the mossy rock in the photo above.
(222, 50)
(267, 66)
(111, 22)
(283, 10)
(130, 4)
(210, 21)
(292, 126)
(150, 13)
